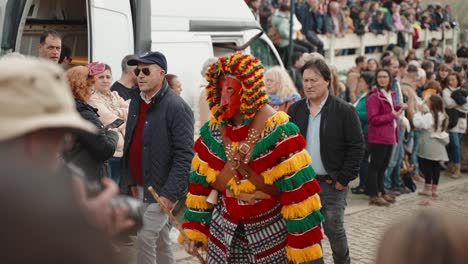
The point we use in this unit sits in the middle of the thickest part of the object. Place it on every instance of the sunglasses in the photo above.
(146, 71)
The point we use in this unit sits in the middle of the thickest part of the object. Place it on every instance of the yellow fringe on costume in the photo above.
(203, 168)
(305, 254)
(197, 202)
(245, 186)
(277, 119)
(194, 235)
(291, 165)
(301, 209)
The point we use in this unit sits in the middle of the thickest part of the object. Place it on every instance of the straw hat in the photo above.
(35, 95)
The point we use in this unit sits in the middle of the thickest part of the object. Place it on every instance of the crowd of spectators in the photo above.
(341, 17)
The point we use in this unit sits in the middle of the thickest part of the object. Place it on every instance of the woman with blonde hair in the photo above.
(89, 152)
(112, 110)
(280, 89)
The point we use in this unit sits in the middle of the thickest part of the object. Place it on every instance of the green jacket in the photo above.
(361, 110)
(281, 23)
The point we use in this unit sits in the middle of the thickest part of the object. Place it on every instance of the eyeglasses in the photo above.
(146, 71)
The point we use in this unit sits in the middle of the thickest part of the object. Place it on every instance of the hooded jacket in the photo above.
(382, 126)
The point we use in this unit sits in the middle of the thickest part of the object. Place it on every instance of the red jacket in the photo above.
(382, 128)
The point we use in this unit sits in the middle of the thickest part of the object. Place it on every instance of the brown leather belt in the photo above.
(248, 197)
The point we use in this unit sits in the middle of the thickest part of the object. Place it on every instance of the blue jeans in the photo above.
(333, 207)
(392, 174)
(454, 147)
(414, 153)
(114, 164)
(364, 166)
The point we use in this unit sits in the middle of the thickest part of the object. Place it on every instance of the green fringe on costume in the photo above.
(296, 180)
(197, 178)
(306, 223)
(216, 147)
(269, 141)
(197, 216)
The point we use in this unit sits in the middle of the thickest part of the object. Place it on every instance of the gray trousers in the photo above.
(153, 242)
(333, 207)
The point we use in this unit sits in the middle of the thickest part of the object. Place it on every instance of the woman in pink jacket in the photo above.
(382, 117)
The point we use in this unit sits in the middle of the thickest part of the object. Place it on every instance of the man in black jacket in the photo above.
(157, 152)
(335, 143)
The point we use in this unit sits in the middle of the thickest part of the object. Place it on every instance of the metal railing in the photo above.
(332, 45)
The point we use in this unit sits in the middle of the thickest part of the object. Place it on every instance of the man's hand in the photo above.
(339, 186)
(98, 210)
(191, 247)
(167, 203)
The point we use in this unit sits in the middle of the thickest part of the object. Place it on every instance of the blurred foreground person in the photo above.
(428, 237)
(38, 116)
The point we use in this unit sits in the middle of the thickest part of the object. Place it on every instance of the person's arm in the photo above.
(102, 145)
(354, 146)
(448, 100)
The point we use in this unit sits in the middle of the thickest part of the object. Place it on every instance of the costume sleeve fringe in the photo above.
(267, 142)
(194, 235)
(305, 223)
(300, 194)
(301, 209)
(192, 215)
(287, 167)
(291, 182)
(215, 146)
(203, 168)
(197, 178)
(279, 151)
(279, 118)
(245, 186)
(197, 202)
(304, 255)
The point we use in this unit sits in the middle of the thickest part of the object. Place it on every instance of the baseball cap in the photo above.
(152, 57)
(35, 95)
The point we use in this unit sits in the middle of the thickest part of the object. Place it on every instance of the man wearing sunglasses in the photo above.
(157, 152)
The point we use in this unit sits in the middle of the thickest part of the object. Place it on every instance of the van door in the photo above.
(110, 32)
(185, 53)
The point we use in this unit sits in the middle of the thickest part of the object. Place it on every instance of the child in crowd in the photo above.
(432, 121)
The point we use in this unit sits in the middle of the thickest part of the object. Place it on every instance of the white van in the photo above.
(186, 31)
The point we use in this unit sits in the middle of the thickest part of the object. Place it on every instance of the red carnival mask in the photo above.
(231, 93)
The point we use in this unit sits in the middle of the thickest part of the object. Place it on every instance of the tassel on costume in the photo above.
(305, 254)
(301, 209)
(289, 166)
(197, 202)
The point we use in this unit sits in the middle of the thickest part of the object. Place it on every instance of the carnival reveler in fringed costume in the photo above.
(252, 194)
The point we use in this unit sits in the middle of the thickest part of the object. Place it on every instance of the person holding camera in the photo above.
(157, 153)
(38, 117)
(90, 153)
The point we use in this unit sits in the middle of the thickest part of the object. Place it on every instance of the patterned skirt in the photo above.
(261, 239)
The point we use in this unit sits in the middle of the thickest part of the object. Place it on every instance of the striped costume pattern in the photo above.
(237, 232)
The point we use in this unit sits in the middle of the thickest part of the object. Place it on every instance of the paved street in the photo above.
(365, 224)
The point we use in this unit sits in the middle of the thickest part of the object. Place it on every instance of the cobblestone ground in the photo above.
(365, 225)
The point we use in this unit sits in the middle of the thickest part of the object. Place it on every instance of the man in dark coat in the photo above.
(157, 152)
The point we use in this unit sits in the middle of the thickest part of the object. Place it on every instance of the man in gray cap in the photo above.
(37, 116)
(157, 152)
